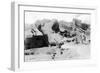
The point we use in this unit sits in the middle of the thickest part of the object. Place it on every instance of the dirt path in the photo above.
(71, 52)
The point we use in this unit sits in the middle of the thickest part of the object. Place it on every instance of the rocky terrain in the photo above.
(57, 40)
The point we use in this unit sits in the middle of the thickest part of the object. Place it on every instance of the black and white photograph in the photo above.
(51, 36)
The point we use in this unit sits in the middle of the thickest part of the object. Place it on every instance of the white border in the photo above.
(18, 28)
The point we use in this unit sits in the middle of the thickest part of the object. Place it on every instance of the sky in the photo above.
(32, 17)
